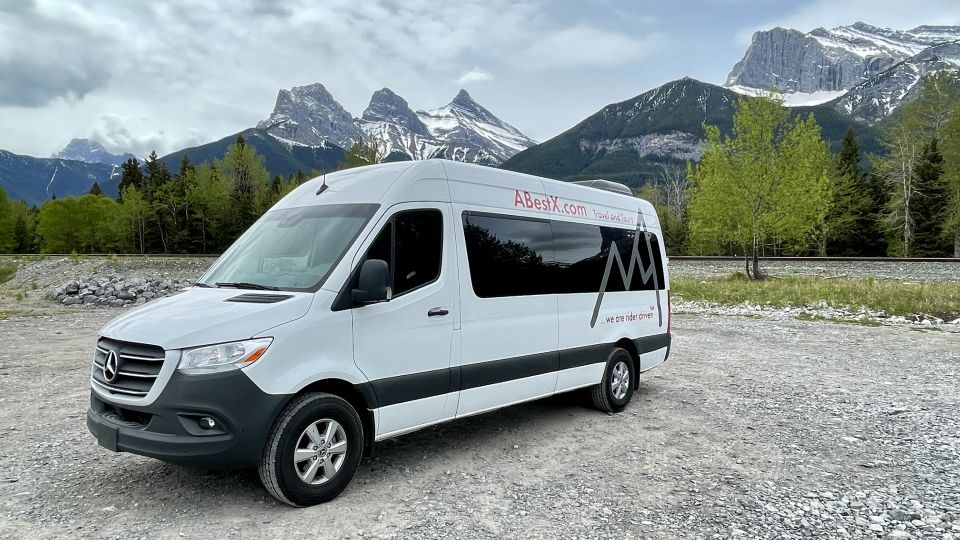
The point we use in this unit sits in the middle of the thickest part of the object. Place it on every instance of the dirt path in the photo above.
(754, 427)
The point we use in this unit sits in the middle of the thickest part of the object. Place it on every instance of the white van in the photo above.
(375, 301)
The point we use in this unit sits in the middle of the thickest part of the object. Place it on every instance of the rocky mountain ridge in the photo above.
(830, 60)
(462, 130)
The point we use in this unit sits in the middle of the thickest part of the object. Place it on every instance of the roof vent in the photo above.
(606, 185)
(251, 298)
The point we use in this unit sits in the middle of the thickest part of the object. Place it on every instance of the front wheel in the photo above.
(313, 450)
(616, 388)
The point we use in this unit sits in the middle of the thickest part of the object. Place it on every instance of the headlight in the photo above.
(223, 357)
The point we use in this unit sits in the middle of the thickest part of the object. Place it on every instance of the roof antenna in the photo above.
(323, 186)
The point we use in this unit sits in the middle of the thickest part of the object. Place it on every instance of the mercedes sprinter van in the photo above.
(376, 301)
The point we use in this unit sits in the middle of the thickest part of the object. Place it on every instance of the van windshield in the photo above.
(292, 249)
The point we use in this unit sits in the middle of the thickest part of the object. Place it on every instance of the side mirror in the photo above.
(374, 283)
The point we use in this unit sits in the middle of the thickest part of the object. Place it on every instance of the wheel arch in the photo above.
(631, 347)
(359, 396)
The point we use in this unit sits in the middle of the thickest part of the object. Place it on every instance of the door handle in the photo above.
(438, 312)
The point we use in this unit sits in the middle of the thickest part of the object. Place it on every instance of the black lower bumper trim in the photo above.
(169, 429)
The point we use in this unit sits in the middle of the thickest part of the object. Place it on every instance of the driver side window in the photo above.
(412, 245)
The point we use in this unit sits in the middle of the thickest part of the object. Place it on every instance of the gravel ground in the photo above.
(754, 428)
(916, 272)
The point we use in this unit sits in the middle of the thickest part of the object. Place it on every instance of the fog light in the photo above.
(207, 423)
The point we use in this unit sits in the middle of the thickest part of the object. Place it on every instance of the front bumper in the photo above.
(168, 429)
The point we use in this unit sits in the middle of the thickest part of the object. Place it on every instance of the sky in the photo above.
(142, 75)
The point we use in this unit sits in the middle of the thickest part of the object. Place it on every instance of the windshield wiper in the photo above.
(245, 285)
(201, 284)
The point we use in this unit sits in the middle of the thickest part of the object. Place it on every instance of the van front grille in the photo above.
(134, 371)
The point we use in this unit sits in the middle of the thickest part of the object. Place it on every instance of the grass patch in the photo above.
(7, 271)
(893, 297)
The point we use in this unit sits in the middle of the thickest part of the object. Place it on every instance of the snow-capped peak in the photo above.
(89, 151)
(462, 130)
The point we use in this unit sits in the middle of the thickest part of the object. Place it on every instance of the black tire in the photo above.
(604, 396)
(278, 472)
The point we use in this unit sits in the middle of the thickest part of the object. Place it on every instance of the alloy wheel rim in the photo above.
(320, 452)
(620, 380)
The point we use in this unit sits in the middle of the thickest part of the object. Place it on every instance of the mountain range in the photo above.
(632, 140)
(860, 70)
(462, 130)
(849, 77)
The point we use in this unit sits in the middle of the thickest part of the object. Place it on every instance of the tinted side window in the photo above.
(418, 249)
(508, 256)
(582, 252)
(412, 245)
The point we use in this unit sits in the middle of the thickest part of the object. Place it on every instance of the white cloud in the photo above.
(475, 75)
(112, 132)
(584, 46)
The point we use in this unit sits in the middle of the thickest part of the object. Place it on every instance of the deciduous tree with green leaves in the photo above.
(768, 181)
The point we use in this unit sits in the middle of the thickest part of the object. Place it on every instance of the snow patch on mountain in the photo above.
(797, 99)
(878, 97)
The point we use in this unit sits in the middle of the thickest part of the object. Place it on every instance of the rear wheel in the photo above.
(313, 451)
(616, 388)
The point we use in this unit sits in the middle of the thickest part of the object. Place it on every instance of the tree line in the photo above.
(773, 186)
(200, 208)
(770, 187)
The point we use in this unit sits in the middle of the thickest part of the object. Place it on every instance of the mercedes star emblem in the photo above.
(111, 366)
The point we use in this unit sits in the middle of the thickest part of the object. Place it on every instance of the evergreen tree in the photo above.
(130, 175)
(854, 220)
(7, 222)
(951, 173)
(95, 189)
(21, 236)
(930, 206)
(157, 173)
(186, 166)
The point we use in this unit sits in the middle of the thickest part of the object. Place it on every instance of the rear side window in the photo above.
(582, 252)
(508, 256)
(412, 244)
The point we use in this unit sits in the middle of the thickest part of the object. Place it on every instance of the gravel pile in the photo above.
(117, 291)
(50, 273)
(821, 310)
